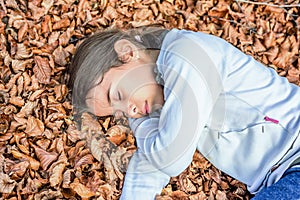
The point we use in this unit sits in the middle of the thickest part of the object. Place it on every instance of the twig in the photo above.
(268, 4)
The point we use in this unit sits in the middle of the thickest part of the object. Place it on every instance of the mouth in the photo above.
(146, 108)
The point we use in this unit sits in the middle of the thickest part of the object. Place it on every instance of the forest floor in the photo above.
(43, 154)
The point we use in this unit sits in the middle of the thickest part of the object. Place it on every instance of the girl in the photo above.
(184, 90)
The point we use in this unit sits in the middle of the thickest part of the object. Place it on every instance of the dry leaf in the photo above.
(46, 158)
(117, 134)
(20, 65)
(60, 56)
(81, 189)
(6, 184)
(27, 109)
(33, 163)
(42, 69)
(56, 176)
(63, 23)
(18, 170)
(87, 159)
(67, 178)
(37, 41)
(22, 52)
(221, 195)
(17, 101)
(4, 123)
(22, 142)
(34, 127)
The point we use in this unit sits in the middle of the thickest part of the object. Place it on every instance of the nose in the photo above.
(132, 110)
(128, 109)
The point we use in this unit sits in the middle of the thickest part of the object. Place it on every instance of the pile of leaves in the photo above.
(43, 153)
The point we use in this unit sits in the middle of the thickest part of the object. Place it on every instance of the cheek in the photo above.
(97, 104)
(99, 109)
(151, 92)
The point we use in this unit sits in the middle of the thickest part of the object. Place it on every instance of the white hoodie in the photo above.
(239, 114)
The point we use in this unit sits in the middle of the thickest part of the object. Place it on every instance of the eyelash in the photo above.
(119, 96)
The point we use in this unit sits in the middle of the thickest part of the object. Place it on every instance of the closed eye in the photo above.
(119, 96)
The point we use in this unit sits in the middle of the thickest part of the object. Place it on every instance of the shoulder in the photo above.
(184, 43)
(180, 40)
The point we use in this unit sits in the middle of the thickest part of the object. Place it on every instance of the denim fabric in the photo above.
(287, 188)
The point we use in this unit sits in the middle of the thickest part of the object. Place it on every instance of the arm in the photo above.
(167, 142)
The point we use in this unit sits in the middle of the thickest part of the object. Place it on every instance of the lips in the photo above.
(146, 108)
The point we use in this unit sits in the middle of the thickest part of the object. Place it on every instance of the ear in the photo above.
(126, 50)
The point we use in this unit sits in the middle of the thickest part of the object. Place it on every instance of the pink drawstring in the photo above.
(268, 119)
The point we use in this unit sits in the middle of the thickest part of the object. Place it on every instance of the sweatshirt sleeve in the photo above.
(167, 141)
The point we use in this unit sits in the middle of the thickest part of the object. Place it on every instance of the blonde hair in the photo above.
(96, 55)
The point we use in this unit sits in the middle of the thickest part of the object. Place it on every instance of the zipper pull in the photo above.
(269, 119)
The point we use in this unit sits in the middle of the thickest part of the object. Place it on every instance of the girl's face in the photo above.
(129, 89)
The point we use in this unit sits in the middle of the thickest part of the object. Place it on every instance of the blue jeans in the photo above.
(287, 188)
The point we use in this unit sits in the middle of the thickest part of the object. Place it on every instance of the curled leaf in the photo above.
(4, 123)
(18, 170)
(27, 109)
(81, 189)
(67, 178)
(22, 52)
(22, 142)
(87, 159)
(60, 56)
(34, 127)
(61, 92)
(20, 65)
(117, 134)
(89, 123)
(34, 164)
(17, 101)
(63, 23)
(46, 158)
(6, 184)
(56, 176)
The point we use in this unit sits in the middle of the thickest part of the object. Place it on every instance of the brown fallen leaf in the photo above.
(22, 142)
(81, 189)
(22, 31)
(18, 170)
(117, 134)
(67, 178)
(56, 175)
(17, 101)
(63, 23)
(34, 127)
(61, 92)
(221, 195)
(4, 123)
(27, 109)
(20, 65)
(34, 164)
(6, 184)
(46, 158)
(48, 194)
(60, 56)
(87, 159)
(22, 52)
(42, 69)
(37, 12)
